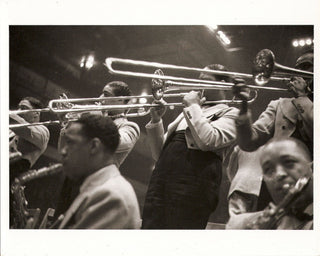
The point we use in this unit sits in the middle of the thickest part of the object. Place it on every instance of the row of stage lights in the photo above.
(302, 42)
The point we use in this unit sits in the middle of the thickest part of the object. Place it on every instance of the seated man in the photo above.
(106, 200)
(283, 161)
(30, 141)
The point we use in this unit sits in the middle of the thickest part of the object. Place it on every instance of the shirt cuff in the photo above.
(153, 125)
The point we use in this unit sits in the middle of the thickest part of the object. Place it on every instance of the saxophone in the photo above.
(273, 215)
(22, 216)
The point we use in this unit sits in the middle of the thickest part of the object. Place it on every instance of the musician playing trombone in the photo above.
(128, 130)
(287, 171)
(288, 117)
(184, 186)
(30, 141)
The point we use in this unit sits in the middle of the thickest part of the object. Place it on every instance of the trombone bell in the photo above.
(264, 65)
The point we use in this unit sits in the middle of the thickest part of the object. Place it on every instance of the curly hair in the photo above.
(97, 126)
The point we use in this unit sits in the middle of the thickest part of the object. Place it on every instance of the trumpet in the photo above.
(264, 65)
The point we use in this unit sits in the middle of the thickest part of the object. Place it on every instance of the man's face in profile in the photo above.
(76, 151)
(283, 163)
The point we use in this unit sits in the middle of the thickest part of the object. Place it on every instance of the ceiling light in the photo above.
(212, 27)
(302, 42)
(308, 41)
(295, 43)
(224, 38)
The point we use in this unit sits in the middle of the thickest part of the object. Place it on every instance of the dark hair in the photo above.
(120, 88)
(298, 143)
(220, 68)
(97, 126)
(35, 103)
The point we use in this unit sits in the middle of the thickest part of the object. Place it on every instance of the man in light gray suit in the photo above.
(105, 200)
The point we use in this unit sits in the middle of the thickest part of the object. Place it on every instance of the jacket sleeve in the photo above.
(37, 135)
(129, 135)
(251, 136)
(156, 138)
(105, 210)
(211, 135)
(304, 107)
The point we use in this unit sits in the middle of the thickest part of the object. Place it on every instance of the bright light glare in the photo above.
(224, 38)
(212, 27)
(89, 65)
(308, 41)
(134, 100)
(91, 58)
(142, 100)
(295, 43)
(302, 42)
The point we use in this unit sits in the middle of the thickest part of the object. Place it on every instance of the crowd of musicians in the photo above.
(269, 161)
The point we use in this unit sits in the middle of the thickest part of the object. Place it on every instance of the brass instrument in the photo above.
(160, 86)
(110, 61)
(97, 104)
(279, 211)
(264, 65)
(24, 217)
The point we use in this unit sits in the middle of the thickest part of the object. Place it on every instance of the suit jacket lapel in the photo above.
(72, 209)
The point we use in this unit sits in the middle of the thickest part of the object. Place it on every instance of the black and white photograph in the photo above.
(159, 134)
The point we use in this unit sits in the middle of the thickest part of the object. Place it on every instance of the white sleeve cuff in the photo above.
(153, 125)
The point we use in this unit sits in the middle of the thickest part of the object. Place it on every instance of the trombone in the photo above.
(142, 109)
(264, 66)
(159, 86)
